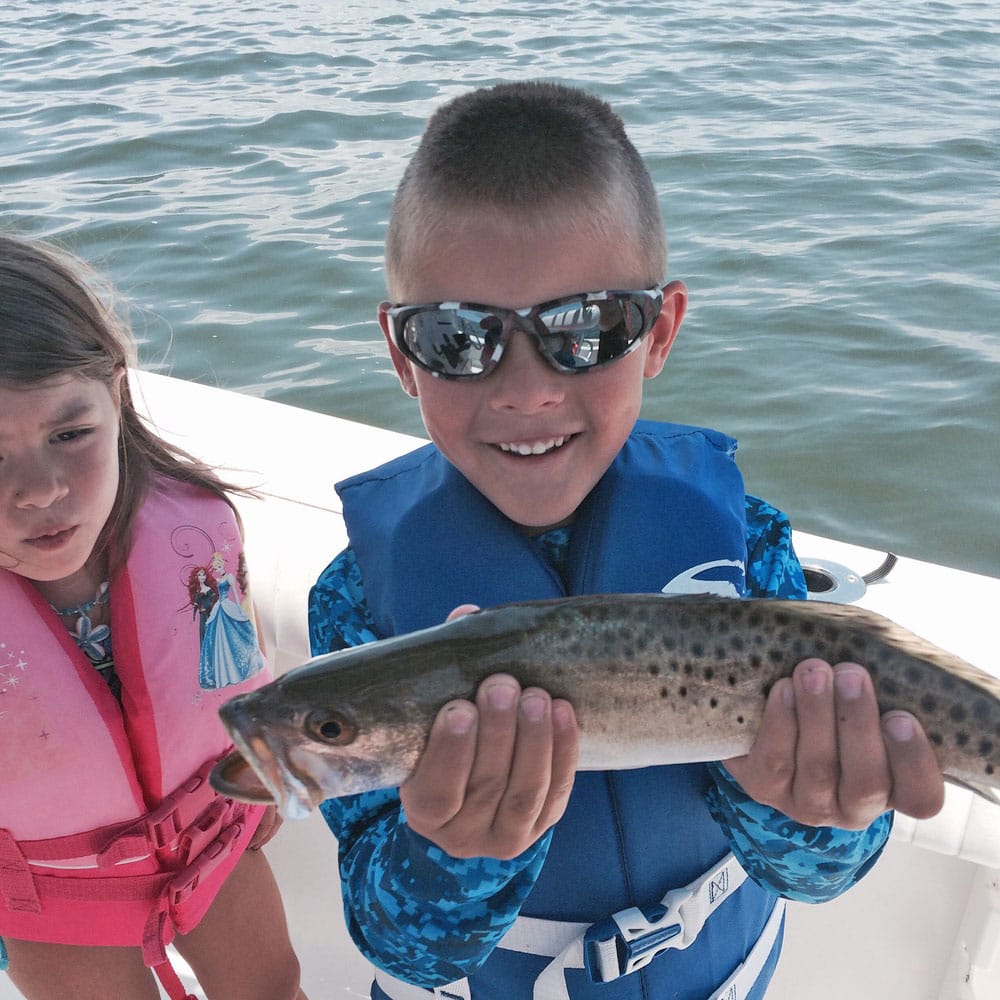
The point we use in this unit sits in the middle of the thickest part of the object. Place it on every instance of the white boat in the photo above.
(923, 925)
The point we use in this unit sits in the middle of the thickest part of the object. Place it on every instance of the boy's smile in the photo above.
(533, 440)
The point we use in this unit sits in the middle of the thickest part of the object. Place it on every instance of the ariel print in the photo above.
(230, 652)
(219, 599)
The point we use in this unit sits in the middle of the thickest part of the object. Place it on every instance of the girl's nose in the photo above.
(39, 485)
(524, 380)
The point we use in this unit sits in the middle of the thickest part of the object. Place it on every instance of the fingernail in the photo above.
(849, 683)
(533, 707)
(900, 728)
(561, 715)
(815, 680)
(501, 696)
(787, 694)
(459, 719)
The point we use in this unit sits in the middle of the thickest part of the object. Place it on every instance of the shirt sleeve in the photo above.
(411, 909)
(805, 863)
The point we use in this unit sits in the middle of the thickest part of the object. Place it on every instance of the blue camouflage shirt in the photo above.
(416, 911)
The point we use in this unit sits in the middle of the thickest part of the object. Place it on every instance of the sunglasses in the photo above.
(465, 340)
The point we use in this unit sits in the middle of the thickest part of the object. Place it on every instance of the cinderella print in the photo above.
(229, 649)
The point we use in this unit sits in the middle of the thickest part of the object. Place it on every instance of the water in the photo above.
(828, 171)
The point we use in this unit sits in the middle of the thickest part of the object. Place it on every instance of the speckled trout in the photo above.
(653, 680)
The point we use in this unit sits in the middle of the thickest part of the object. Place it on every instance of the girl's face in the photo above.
(58, 481)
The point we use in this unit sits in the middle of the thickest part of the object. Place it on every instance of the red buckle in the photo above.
(197, 837)
(184, 884)
(181, 808)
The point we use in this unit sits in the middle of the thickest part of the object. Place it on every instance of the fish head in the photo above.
(300, 740)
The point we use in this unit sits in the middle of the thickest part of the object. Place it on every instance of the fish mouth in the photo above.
(254, 773)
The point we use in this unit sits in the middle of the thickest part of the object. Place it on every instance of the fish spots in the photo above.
(981, 709)
(958, 713)
(935, 738)
(928, 703)
(737, 644)
(985, 747)
(913, 674)
(713, 702)
(731, 680)
(740, 720)
(664, 692)
(697, 649)
(709, 673)
(961, 739)
(683, 691)
(654, 670)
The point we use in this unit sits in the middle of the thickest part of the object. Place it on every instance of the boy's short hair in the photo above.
(533, 151)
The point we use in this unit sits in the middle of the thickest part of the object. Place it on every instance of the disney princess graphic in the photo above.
(230, 652)
(202, 596)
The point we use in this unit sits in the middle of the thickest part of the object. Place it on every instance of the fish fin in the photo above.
(989, 792)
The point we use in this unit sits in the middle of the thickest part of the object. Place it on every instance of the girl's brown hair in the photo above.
(58, 317)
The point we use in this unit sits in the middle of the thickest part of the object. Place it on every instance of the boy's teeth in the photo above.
(538, 448)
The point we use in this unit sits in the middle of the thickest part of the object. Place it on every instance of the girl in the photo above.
(112, 842)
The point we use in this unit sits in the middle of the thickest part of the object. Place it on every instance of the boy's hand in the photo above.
(495, 775)
(824, 757)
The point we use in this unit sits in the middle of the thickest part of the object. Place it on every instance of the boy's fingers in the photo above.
(462, 609)
(917, 782)
(767, 772)
(435, 792)
(565, 755)
(530, 771)
(497, 701)
(865, 778)
(817, 771)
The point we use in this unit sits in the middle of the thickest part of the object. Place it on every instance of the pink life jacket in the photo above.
(110, 833)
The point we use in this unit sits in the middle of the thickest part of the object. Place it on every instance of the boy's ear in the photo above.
(402, 364)
(664, 332)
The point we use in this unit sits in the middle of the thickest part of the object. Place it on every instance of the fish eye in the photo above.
(331, 728)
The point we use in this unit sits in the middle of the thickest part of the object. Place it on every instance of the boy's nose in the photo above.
(524, 380)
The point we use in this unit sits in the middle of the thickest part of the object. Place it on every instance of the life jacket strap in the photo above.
(187, 819)
(623, 943)
(16, 883)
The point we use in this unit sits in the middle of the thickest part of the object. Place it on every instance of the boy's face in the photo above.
(573, 425)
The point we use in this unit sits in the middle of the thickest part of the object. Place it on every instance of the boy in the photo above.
(494, 861)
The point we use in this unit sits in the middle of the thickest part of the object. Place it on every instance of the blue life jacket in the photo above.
(673, 500)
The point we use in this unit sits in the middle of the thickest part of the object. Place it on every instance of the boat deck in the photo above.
(923, 925)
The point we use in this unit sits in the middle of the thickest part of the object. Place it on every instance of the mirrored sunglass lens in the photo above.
(587, 332)
(453, 341)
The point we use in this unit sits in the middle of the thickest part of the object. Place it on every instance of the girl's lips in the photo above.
(52, 540)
